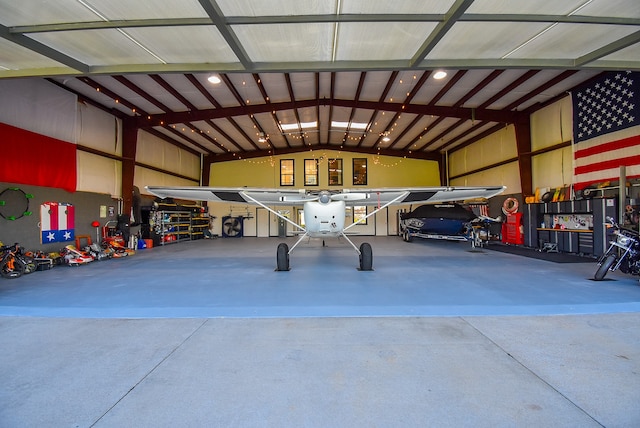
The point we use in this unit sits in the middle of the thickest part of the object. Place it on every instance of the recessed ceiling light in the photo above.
(440, 75)
(297, 126)
(351, 125)
(215, 79)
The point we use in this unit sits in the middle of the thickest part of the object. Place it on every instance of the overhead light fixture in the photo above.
(350, 125)
(440, 75)
(214, 78)
(262, 138)
(386, 139)
(296, 126)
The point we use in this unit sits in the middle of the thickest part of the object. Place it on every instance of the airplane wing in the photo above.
(239, 195)
(289, 197)
(422, 195)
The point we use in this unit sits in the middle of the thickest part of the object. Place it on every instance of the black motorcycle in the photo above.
(623, 253)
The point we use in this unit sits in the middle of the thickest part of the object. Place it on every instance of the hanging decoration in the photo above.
(322, 159)
(57, 222)
(14, 203)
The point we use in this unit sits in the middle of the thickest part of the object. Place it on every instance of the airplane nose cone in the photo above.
(325, 197)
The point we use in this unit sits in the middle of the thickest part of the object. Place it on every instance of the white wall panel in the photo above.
(38, 106)
(98, 174)
(172, 160)
(551, 125)
(552, 169)
(495, 148)
(506, 175)
(148, 177)
(99, 130)
(156, 152)
(150, 150)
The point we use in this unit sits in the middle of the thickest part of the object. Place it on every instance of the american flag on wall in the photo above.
(606, 128)
(57, 222)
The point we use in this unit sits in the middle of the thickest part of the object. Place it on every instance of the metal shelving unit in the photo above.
(172, 226)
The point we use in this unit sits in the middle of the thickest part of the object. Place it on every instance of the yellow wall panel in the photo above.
(383, 171)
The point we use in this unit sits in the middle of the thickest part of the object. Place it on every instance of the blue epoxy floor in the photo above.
(236, 278)
(207, 334)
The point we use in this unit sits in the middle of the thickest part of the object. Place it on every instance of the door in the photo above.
(262, 223)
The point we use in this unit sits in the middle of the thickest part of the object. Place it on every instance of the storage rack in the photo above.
(198, 225)
(172, 226)
(540, 230)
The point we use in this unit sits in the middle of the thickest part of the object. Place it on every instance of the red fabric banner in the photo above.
(30, 158)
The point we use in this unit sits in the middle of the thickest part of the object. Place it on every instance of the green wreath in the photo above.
(14, 203)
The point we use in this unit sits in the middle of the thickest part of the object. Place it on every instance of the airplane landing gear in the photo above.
(282, 257)
(366, 256)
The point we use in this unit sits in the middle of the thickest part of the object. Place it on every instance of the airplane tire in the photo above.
(366, 257)
(282, 257)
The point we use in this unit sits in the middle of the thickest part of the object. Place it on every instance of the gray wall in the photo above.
(26, 230)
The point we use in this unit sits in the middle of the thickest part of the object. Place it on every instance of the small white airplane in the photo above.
(325, 210)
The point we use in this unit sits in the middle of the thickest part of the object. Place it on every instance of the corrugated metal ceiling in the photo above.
(292, 61)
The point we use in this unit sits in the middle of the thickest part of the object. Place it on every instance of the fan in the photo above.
(232, 227)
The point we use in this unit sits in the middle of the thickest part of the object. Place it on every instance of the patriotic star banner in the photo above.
(606, 128)
(57, 222)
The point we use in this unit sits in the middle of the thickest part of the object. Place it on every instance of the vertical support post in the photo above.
(622, 194)
(206, 173)
(523, 144)
(129, 147)
(443, 169)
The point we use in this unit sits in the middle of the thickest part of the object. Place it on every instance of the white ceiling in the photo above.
(284, 61)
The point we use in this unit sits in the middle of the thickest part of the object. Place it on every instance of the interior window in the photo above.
(335, 172)
(310, 172)
(359, 172)
(286, 172)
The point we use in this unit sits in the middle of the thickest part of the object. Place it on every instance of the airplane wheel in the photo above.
(366, 257)
(282, 257)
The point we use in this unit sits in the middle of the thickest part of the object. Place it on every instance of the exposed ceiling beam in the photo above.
(316, 148)
(459, 112)
(292, 97)
(106, 25)
(44, 50)
(319, 19)
(620, 44)
(383, 96)
(452, 15)
(217, 17)
(483, 84)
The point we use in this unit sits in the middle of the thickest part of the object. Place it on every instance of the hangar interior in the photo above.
(100, 99)
(249, 105)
